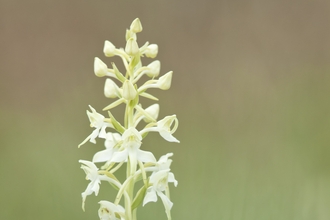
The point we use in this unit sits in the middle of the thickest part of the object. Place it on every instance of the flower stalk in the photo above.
(123, 140)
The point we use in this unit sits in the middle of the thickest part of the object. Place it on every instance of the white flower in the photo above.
(109, 49)
(151, 51)
(131, 148)
(153, 111)
(164, 128)
(149, 114)
(159, 183)
(110, 89)
(154, 69)
(97, 122)
(164, 162)
(164, 82)
(110, 211)
(110, 141)
(91, 174)
(136, 26)
(101, 69)
(129, 92)
(132, 47)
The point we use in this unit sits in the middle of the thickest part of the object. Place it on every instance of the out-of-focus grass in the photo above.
(269, 160)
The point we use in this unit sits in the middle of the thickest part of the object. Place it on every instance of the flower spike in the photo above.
(122, 139)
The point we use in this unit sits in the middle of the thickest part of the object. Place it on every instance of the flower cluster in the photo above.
(123, 141)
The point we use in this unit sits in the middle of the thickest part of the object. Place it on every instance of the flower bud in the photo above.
(130, 34)
(110, 89)
(132, 47)
(136, 26)
(109, 49)
(129, 92)
(154, 69)
(153, 111)
(164, 82)
(165, 130)
(151, 51)
(100, 68)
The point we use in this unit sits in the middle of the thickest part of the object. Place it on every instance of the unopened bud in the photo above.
(154, 69)
(109, 49)
(132, 47)
(153, 111)
(136, 26)
(129, 92)
(151, 51)
(164, 82)
(110, 89)
(100, 68)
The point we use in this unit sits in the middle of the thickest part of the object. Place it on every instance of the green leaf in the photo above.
(139, 197)
(148, 96)
(118, 73)
(114, 104)
(116, 124)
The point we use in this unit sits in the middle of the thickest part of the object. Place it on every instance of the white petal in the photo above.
(103, 133)
(172, 179)
(145, 156)
(119, 156)
(94, 134)
(103, 156)
(150, 196)
(168, 136)
(167, 204)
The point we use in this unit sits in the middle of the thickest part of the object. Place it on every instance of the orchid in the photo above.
(131, 144)
(159, 183)
(111, 140)
(110, 211)
(97, 121)
(91, 174)
(124, 144)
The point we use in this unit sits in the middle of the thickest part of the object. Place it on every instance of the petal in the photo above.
(150, 196)
(96, 186)
(103, 133)
(94, 134)
(167, 204)
(168, 136)
(172, 179)
(119, 156)
(103, 156)
(145, 156)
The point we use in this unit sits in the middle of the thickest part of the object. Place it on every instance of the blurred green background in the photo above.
(250, 88)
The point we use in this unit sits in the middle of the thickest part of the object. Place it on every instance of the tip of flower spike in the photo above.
(136, 26)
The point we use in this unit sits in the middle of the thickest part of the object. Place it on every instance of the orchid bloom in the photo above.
(97, 122)
(131, 148)
(91, 174)
(110, 211)
(159, 183)
(164, 128)
(111, 140)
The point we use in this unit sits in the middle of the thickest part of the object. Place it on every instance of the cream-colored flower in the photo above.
(97, 122)
(111, 140)
(109, 49)
(159, 184)
(132, 47)
(111, 89)
(164, 127)
(129, 92)
(136, 26)
(151, 51)
(110, 211)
